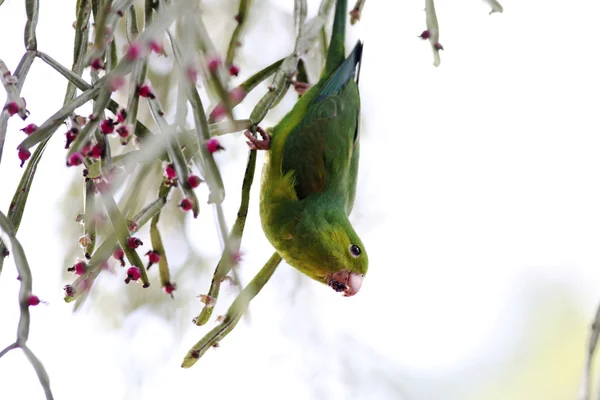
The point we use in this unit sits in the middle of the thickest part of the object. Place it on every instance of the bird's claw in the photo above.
(258, 144)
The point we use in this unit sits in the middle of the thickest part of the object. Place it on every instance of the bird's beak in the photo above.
(345, 281)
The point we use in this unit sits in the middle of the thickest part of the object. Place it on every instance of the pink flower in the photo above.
(213, 146)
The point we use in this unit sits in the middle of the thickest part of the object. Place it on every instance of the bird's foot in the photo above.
(258, 144)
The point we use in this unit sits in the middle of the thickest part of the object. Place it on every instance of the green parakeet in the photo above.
(310, 173)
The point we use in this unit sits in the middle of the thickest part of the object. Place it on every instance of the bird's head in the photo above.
(334, 254)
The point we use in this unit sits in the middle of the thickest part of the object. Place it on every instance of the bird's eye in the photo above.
(355, 250)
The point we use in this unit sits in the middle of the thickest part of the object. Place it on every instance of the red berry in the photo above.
(134, 243)
(234, 70)
(145, 91)
(24, 155)
(170, 172)
(33, 300)
(194, 181)
(29, 129)
(107, 126)
(213, 146)
(186, 205)
(133, 274)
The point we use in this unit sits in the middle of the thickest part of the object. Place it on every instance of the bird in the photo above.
(310, 173)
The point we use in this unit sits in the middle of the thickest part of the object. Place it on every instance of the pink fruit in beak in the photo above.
(345, 281)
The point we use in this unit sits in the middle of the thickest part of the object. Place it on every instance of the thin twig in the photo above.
(356, 11)
(234, 314)
(234, 43)
(594, 334)
(13, 86)
(25, 292)
(434, 31)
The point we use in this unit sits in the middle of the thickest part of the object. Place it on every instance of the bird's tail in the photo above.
(337, 53)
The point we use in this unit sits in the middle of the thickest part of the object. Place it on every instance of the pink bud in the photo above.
(121, 115)
(71, 135)
(133, 52)
(192, 74)
(425, 35)
(24, 155)
(194, 181)
(237, 94)
(29, 129)
(234, 70)
(213, 146)
(117, 83)
(145, 91)
(133, 274)
(170, 172)
(12, 108)
(213, 64)
(122, 131)
(119, 254)
(33, 300)
(236, 257)
(78, 268)
(134, 243)
(75, 159)
(156, 47)
(153, 258)
(69, 291)
(218, 112)
(169, 288)
(186, 205)
(97, 64)
(438, 47)
(96, 151)
(107, 126)
(131, 225)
